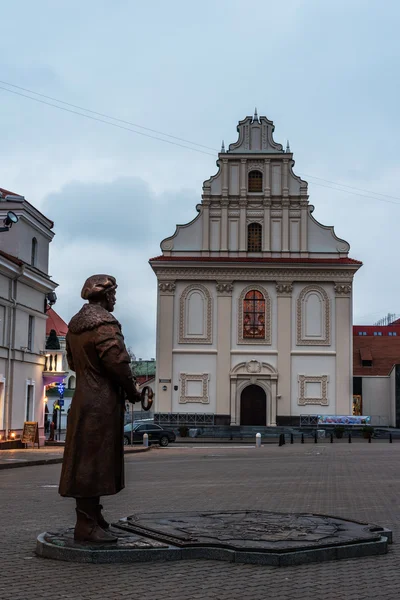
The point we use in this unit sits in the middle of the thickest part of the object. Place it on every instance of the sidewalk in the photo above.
(11, 459)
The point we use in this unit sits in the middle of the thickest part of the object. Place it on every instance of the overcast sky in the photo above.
(327, 74)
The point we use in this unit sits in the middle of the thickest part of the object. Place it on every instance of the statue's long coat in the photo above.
(93, 463)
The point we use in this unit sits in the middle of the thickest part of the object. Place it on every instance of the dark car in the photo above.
(155, 433)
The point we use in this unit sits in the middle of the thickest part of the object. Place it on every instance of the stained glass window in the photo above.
(254, 237)
(255, 181)
(254, 315)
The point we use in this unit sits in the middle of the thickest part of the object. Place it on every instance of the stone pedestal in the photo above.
(254, 537)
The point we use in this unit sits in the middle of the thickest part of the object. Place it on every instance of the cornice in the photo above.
(229, 274)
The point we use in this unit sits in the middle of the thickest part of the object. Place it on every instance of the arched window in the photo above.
(254, 315)
(313, 317)
(71, 383)
(255, 181)
(254, 237)
(195, 315)
(34, 252)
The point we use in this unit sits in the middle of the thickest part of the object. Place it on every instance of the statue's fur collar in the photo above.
(90, 317)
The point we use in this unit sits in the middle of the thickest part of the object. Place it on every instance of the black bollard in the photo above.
(349, 438)
(390, 438)
(315, 437)
(302, 438)
(331, 438)
(369, 438)
(281, 442)
(291, 438)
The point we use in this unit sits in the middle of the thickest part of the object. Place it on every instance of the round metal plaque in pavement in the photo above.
(258, 537)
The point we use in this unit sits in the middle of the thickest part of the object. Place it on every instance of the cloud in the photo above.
(114, 228)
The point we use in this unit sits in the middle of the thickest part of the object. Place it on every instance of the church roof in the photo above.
(5, 193)
(54, 321)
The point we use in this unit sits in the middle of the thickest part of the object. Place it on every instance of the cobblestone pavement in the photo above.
(359, 481)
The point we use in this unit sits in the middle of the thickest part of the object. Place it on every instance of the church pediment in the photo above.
(255, 135)
(255, 206)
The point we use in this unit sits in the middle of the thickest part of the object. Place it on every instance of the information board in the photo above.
(30, 434)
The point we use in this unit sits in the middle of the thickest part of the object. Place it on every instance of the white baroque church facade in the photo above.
(254, 318)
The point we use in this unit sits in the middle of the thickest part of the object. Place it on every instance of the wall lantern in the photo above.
(9, 221)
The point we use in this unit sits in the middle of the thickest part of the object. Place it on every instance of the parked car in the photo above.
(155, 433)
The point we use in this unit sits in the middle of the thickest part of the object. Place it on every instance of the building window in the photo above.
(360, 333)
(254, 237)
(377, 332)
(29, 403)
(254, 315)
(30, 333)
(364, 333)
(71, 383)
(255, 181)
(34, 252)
(392, 333)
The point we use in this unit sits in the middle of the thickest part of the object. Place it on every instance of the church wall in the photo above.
(190, 235)
(182, 336)
(315, 372)
(200, 394)
(234, 185)
(311, 323)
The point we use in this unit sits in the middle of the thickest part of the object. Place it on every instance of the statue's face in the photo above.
(111, 299)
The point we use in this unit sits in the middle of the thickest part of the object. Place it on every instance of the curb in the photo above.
(56, 461)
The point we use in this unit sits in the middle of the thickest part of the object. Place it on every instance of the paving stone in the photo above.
(356, 481)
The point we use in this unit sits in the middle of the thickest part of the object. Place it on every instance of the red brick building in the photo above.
(376, 372)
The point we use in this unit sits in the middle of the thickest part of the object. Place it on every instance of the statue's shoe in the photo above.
(100, 519)
(88, 530)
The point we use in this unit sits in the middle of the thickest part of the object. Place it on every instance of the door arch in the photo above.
(253, 406)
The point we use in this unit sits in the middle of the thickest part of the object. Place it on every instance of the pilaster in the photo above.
(285, 226)
(267, 177)
(284, 344)
(242, 224)
(224, 317)
(165, 341)
(225, 173)
(303, 227)
(224, 224)
(206, 224)
(267, 225)
(344, 366)
(243, 179)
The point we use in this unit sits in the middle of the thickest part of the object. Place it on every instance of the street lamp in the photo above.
(9, 221)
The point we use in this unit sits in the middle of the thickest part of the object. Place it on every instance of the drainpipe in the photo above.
(10, 348)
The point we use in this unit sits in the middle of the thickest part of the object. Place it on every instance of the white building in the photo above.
(254, 322)
(24, 286)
